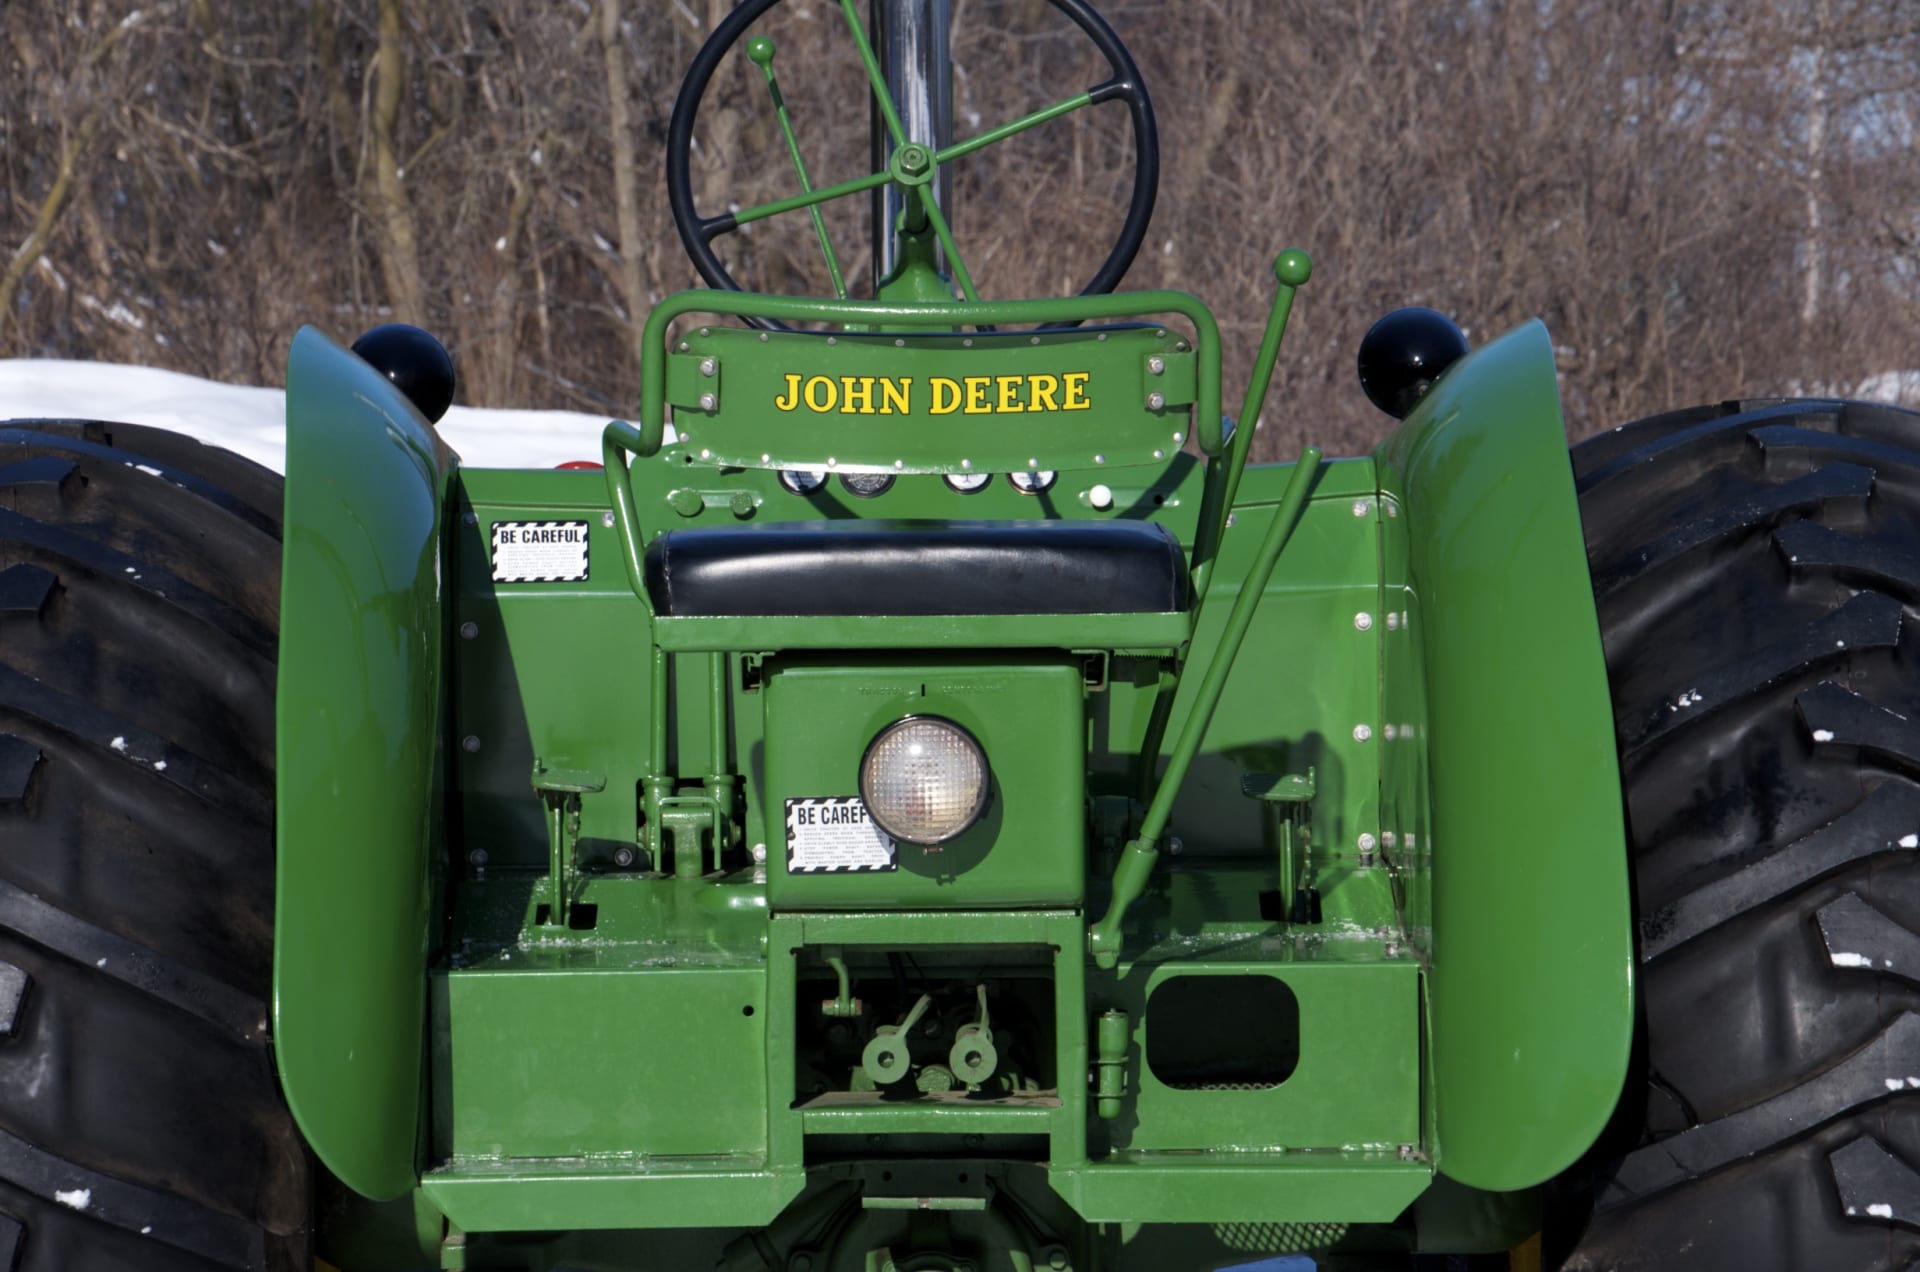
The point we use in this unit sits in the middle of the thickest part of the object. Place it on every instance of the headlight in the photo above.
(924, 780)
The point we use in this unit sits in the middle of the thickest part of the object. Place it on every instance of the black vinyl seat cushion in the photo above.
(853, 568)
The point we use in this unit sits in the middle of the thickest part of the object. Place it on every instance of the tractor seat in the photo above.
(888, 568)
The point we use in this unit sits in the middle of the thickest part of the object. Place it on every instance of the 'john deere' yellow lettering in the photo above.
(828, 393)
(1074, 385)
(946, 395)
(856, 395)
(1022, 394)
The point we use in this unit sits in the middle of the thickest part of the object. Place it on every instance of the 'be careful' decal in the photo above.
(835, 835)
(539, 551)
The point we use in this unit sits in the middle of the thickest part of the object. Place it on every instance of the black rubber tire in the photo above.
(141, 1123)
(1757, 570)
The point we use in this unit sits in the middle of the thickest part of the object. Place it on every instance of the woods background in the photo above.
(1703, 200)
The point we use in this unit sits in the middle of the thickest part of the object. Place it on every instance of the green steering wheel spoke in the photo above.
(824, 194)
(1019, 125)
(931, 206)
(875, 77)
(760, 50)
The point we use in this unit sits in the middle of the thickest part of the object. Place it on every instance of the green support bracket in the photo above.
(560, 790)
(1292, 793)
(688, 821)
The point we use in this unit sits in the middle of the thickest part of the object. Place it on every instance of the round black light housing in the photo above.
(1404, 353)
(416, 363)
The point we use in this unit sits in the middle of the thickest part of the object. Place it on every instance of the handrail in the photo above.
(617, 441)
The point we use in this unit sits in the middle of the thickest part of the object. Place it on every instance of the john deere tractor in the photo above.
(926, 802)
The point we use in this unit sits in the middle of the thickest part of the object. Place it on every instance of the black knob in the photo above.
(417, 364)
(1404, 353)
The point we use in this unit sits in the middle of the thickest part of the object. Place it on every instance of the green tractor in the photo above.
(927, 803)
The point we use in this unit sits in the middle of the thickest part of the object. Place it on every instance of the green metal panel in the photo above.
(359, 761)
(1342, 1186)
(932, 403)
(656, 380)
(1532, 980)
(554, 670)
(622, 1064)
(577, 1195)
(1029, 848)
(1305, 680)
(1357, 1084)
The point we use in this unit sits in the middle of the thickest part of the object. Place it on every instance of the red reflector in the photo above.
(579, 463)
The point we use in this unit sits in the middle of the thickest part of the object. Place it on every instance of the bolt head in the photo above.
(469, 630)
(708, 401)
(1175, 847)
(623, 857)
(1362, 732)
(1366, 842)
(759, 854)
(1156, 401)
(1393, 622)
(708, 366)
(470, 743)
(1156, 365)
(477, 858)
(1361, 507)
(1363, 621)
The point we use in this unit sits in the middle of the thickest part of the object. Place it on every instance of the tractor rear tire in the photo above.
(1757, 572)
(141, 1123)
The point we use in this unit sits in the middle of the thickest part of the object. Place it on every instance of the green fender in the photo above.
(359, 761)
(1530, 990)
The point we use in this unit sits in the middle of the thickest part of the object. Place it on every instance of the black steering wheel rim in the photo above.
(1125, 84)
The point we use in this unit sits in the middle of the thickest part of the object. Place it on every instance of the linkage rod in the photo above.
(760, 50)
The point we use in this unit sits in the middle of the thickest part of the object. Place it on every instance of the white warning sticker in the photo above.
(835, 835)
(539, 551)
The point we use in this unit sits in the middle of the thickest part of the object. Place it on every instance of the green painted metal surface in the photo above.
(1357, 1081)
(1129, 369)
(931, 403)
(1532, 968)
(359, 763)
(564, 1061)
(1027, 849)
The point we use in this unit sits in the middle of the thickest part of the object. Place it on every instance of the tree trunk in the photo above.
(626, 193)
(399, 249)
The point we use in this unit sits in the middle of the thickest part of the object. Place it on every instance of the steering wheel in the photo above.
(913, 165)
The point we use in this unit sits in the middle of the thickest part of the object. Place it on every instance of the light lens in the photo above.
(924, 780)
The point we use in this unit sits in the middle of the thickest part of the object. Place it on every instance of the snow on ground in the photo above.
(1899, 387)
(253, 421)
